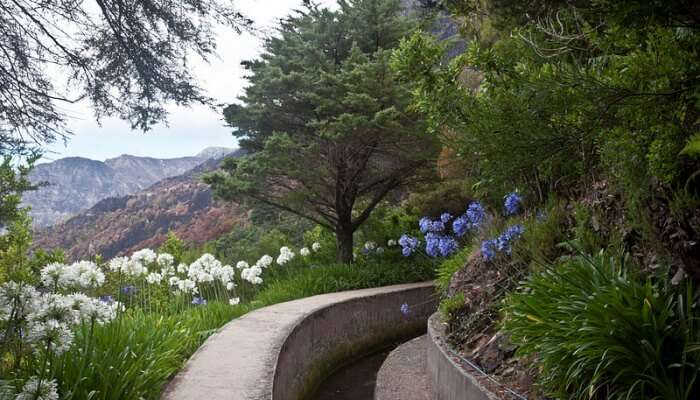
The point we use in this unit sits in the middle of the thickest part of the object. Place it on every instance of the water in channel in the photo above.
(354, 381)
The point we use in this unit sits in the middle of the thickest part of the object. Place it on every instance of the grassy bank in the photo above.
(136, 356)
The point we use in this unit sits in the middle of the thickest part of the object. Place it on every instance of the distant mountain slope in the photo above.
(75, 183)
(120, 225)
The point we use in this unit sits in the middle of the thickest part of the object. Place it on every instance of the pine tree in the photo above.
(328, 128)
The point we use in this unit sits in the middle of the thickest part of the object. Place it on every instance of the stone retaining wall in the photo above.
(448, 380)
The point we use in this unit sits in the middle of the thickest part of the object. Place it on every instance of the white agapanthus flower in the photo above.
(370, 245)
(165, 260)
(234, 301)
(252, 274)
(207, 268)
(154, 278)
(51, 275)
(285, 256)
(264, 261)
(89, 309)
(51, 335)
(89, 275)
(39, 389)
(304, 252)
(144, 256)
(225, 274)
(316, 246)
(182, 268)
(17, 300)
(230, 286)
(241, 265)
(187, 286)
(119, 264)
(391, 243)
(173, 281)
(135, 268)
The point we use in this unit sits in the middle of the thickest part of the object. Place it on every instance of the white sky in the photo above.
(190, 129)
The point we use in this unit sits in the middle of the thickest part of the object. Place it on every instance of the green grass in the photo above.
(135, 356)
(339, 277)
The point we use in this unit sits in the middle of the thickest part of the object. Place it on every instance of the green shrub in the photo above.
(543, 234)
(599, 332)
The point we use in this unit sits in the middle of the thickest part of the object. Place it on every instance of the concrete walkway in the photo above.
(403, 375)
(240, 361)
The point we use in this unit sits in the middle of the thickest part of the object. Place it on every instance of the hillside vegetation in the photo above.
(542, 164)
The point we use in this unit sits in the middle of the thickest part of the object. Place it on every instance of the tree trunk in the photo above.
(344, 239)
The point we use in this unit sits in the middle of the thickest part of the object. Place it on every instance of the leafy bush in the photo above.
(544, 232)
(599, 332)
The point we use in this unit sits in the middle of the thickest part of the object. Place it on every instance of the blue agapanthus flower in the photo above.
(199, 301)
(488, 249)
(447, 245)
(445, 217)
(512, 203)
(513, 232)
(470, 221)
(476, 214)
(503, 243)
(461, 226)
(128, 289)
(427, 225)
(408, 244)
(404, 309)
(432, 244)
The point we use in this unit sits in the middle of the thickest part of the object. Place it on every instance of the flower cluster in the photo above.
(82, 274)
(512, 203)
(408, 244)
(47, 319)
(252, 273)
(502, 244)
(471, 220)
(440, 245)
(286, 255)
(39, 389)
(427, 225)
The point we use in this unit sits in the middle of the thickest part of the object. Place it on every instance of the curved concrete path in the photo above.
(280, 352)
(403, 375)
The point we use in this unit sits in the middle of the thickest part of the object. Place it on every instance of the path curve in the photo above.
(281, 351)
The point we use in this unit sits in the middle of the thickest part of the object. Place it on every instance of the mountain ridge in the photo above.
(120, 225)
(74, 184)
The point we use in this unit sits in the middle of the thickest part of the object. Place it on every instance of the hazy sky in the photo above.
(190, 129)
